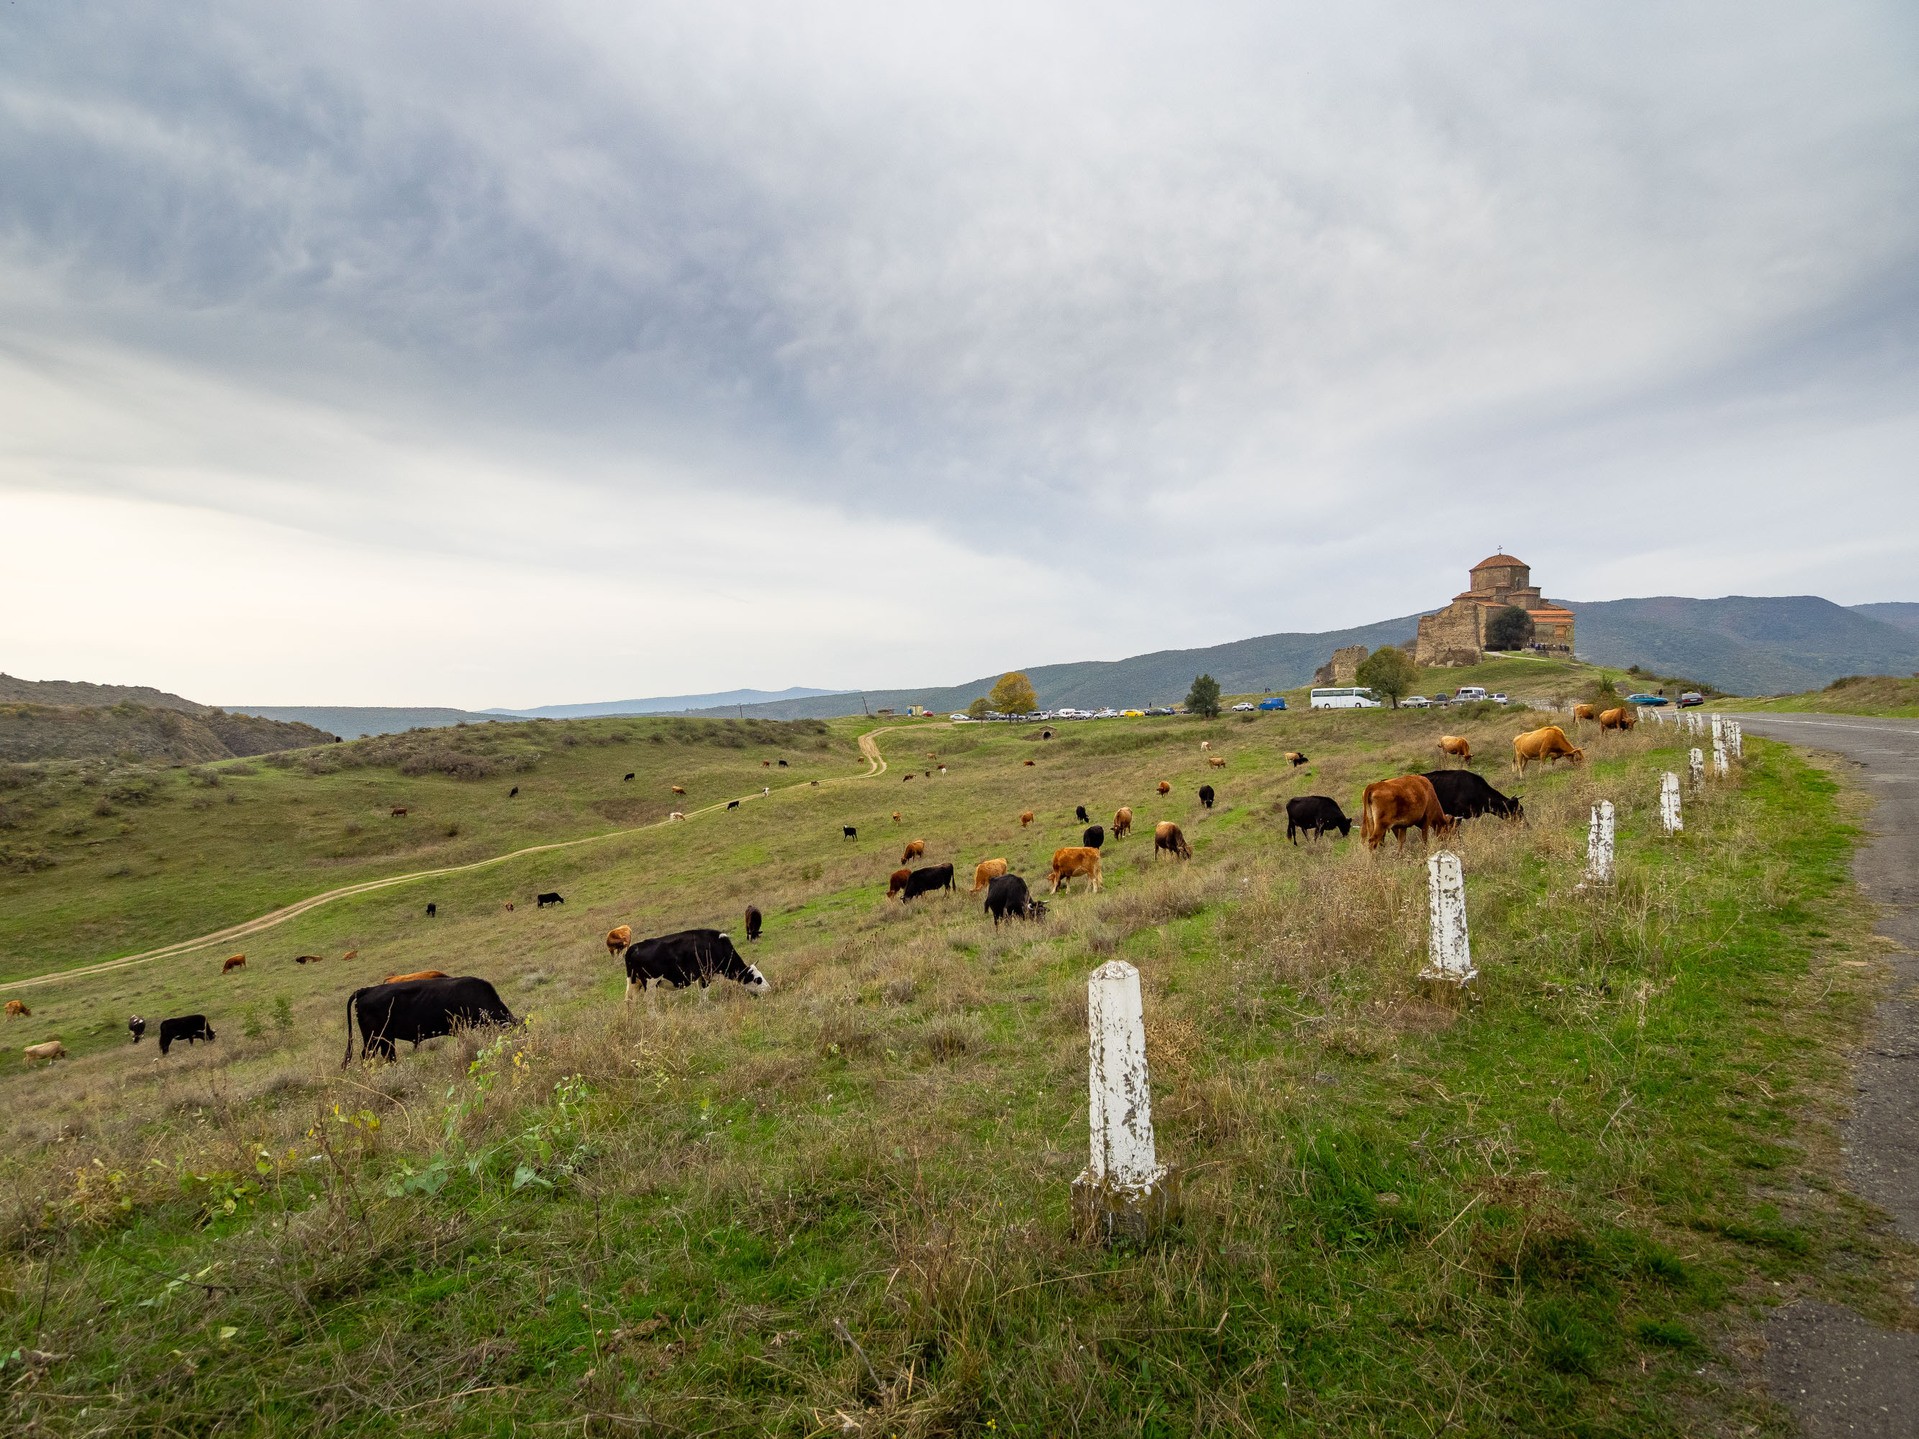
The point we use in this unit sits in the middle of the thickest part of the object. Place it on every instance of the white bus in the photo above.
(1349, 698)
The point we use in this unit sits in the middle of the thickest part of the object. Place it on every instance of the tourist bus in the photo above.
(1350, 697)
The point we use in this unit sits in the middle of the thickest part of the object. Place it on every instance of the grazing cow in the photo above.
(701, 955)
(417, 1010)
(509, 906)
(1456, 746)
(766, 789)
(1217, 761)
(782, 764)
(766, 764)
(513, 793)
(17, 1009)
(942, 769)
(1007, 898)
(53, 1049)
(1079, 813)
(432, 909)
(190, 1027)
(308, 958)
(618, 938)
(1122, 822)
(1205, 745)
(1582, 712)
(627, 776)
(1465, 795)
(1549, 744)
(136, 1027)
(897, 881)
(985, 872)
(815, 783)
(1071, 861)
(355, 954)
(849, 832)
(915, 848)
(1094, 837)
(416, 974)
(1165, 788)
(753, 919)
(1625, 717)
(1167, 837)
(679, 789)
(1206, 795)
(925, 881)
(1408, 802)
(1295, 758)
(732, 804)
(896, 816)
(1317, 813)
(673, 815)
(233, 962)
(1029, 764)
(399, 812)
(552, 896)
(1025, 818)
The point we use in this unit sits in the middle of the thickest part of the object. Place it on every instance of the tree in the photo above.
(1389, 672)
(1203, 698)
(1602, 690)
(1013, 695)
(978, 708)
(1510, 629)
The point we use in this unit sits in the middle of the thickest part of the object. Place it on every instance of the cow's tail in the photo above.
(350, 999)
(1368, 818)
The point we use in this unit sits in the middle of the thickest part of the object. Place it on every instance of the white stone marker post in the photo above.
(1669, 813)
(1696, 768)
(1599, 844)
(1735, 738)
(1450, 950)
(1720, 769)
(1124, 1193)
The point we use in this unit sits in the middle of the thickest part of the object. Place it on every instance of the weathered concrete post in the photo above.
(1720, 769)
(1450, 949)
(1696, 768)
(1599, 844)
(1735, 738)
(1124, 1193)
(1669, 814)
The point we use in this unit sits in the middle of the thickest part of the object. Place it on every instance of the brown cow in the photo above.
(1029, 764)
(238, 961)
(355, 954)
(399, 811)
(1122, 822)
(671, 816)
(1548, 743)
(915, 848)
(618, 938)
(51, 1050)
(986, 872)
(1167, 836)
(1165, 788)
(417, 974)
(896, 816)
(1456, 746)
(1216, 761)
(1409, 802)
(1625, 717)
(17, 1009)
(1582, 712)
(1075, 859)
(897, 882)
(1025, 818)
(908, 775)
(1295, 758)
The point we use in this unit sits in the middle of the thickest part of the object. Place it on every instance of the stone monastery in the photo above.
(1456, 635)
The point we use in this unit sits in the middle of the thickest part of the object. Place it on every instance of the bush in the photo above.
(25, 861)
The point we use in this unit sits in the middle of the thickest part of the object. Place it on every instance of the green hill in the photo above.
(134, 731)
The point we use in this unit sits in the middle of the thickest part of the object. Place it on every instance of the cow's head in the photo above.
(1508, 806)
(736, 968)
(1345, 826)
(1035, 908)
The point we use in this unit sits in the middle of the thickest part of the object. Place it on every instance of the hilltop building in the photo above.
(1456, 635)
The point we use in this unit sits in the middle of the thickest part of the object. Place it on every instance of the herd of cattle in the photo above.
(430, 1003)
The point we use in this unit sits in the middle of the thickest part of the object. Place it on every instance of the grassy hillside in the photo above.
(1855, 694)
(359, 721)
(841, 1207)
(84, 692)
(131, 731)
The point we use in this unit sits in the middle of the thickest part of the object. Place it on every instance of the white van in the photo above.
(1466, 694)
(1349, 698)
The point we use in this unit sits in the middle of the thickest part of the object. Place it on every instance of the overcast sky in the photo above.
(489, 354)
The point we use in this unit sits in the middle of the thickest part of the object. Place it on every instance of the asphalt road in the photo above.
(1841, 1374)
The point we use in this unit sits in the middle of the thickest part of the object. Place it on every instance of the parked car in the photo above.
(1132, 714)
(1442, 697)
(1500, 699)
(1273, 702)
(1467, 693)
(959, 717)
(1160, 710)
(1415, 702)
(1691, 698)
(1646, 699)
(1245, 705)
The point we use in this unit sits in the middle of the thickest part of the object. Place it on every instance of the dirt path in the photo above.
(1841, 1374)
(869, 750)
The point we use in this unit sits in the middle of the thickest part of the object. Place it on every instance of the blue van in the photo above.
(1277, 702)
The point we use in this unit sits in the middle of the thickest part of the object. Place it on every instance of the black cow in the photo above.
(1206, 795)
(733, 804)
(782, 764)
(627, 776)
(680, 959)
(552, 896)
(432, 909)
(136, 1026)
(1007, 898)
(188, 1027)
(513, 793)
(849, 831)
(417, 1009)
(753, 922)
(1079, 813)
(1095, 836)
(1465, 795)
(925, 881)
(1315, 812)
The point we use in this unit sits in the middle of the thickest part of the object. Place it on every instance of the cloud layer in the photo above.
(480, 355)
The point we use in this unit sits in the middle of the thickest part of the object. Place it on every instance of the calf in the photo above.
(1167, 837)
(1094, 837)
(692, 955)
(51, 1050)
(925, 881)
(1007, 898)
(136, 1027)
(190, 1027)
(1206, 795)
(849, 832)
(1465, 795)
(552, 896)
(985, 872)
(1079, 813)
(753, 919)
(417, 1010)
(1408, 802)
(233, 962)
(1074, 861)
(1317, 813)
(432, 909)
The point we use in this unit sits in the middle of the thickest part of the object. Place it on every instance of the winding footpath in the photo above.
(869, 751)
(1839, 1373)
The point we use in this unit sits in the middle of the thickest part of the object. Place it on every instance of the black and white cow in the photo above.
(1465, 795)
(418, 1009)
(1008, 898)
(136, 1027)
(692, 955)
(1315, 813)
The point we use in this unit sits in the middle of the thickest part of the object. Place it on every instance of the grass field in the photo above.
(841, 1207)
(1855, 695)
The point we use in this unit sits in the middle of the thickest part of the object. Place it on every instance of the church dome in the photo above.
(1498, 561)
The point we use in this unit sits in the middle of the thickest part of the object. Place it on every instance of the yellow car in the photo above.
(1132, 714)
